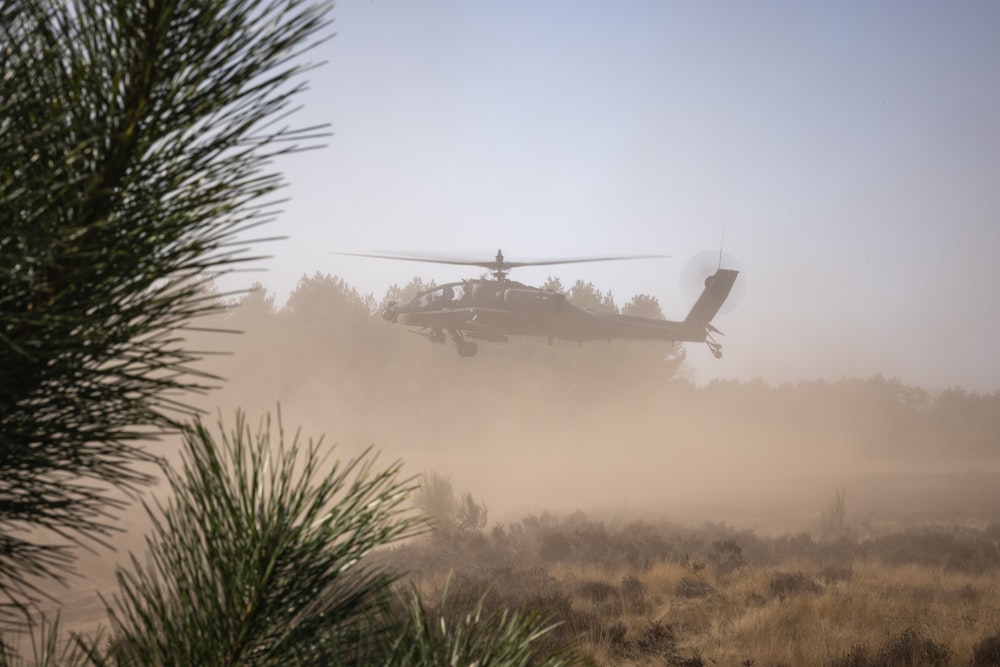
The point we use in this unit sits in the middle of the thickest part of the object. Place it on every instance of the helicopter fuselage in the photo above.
(492, 310)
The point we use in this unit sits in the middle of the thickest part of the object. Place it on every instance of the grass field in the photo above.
(640, 593)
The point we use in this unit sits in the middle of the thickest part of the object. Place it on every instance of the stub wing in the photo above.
(444, 318)
(468, 318)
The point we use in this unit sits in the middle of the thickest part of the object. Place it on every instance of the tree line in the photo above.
(328, 335)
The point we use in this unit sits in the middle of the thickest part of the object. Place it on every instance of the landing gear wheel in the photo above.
(715, 347)
(467, 349)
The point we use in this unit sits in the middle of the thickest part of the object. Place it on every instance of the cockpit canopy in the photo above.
(487, 293)
(444, 295)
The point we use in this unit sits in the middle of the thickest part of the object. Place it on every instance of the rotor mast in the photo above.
(498, 267)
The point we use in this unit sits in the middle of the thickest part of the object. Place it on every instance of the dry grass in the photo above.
(744, 618)
(636, 594)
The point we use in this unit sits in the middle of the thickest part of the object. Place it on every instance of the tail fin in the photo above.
(717, 287)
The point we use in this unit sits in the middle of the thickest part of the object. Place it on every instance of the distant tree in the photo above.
(553, 284)
(251, 312)
(436, 499)
(585, 295)
(397, 294)
(250, 352)
(834, 520)
(258, 302)
(325, 324)
(322, 296)
(643, 305)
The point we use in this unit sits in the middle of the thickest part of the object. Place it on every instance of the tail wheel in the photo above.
(713, 345)
(467, 349)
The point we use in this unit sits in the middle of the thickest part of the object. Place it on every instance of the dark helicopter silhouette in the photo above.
(494, 309)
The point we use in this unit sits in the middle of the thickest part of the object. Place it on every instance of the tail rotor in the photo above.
(702, 266)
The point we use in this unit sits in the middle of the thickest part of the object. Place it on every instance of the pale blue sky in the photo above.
(850, 151)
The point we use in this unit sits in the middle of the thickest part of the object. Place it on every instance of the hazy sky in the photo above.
(850, 151)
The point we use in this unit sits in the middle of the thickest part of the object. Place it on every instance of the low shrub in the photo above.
(693, 588)
(596, 591)
(785, 584)
(908, 648)
(986, 652)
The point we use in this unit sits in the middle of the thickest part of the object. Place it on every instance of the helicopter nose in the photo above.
(389, 312)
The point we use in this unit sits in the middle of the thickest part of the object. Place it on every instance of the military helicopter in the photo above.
(494, 309)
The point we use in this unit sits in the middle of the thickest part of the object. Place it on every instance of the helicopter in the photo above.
(493, 309)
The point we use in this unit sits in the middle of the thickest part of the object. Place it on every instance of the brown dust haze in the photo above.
(599, 427)
(611, 429)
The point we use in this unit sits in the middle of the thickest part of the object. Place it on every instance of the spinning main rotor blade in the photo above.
(499, 264)
(576, 260)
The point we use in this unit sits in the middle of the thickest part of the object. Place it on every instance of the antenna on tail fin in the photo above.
(722, 244)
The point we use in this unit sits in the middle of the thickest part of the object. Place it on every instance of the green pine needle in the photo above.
(260, 553)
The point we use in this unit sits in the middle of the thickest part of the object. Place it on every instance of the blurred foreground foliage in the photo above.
(257, 557)
(137, 143)
(260, 554)
(136, 150)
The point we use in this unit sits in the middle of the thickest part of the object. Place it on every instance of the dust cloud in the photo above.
(614, 430)
(607, 428)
